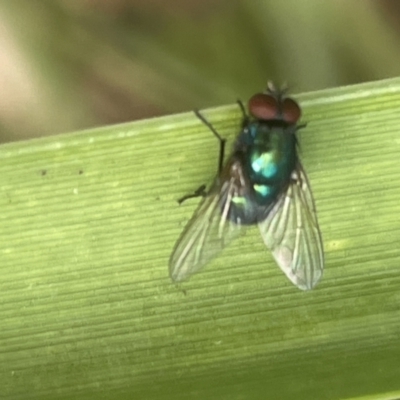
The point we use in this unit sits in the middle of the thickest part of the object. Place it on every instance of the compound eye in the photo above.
(290, 111)
(264, 106)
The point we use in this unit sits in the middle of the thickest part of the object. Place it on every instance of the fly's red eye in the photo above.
(264, 106)
(290, 111)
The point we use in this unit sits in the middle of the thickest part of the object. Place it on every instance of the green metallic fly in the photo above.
(263, 183)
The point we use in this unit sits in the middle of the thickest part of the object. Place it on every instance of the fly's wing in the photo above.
(207, 233)
(291, 232)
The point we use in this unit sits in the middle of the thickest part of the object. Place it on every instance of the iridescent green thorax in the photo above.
(267, 150)
(271, 158)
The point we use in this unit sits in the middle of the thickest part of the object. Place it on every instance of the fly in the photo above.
(262, 183)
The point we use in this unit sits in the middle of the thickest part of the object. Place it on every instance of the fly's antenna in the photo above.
(280, 93)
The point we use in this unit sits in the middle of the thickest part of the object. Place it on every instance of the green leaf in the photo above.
(88, 222)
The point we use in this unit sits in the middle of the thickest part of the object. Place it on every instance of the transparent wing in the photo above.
(291, 232)
(206, 234)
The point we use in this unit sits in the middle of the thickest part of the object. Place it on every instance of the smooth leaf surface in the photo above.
(89, 220)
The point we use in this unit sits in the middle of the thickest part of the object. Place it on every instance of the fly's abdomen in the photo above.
(244, 210)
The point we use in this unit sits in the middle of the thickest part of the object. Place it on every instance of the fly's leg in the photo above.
(221, 140)
(245, 117)
(201, 191)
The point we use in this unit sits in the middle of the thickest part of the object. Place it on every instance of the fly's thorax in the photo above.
(269, 157)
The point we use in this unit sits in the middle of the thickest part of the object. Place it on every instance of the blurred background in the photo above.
(67, 65)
